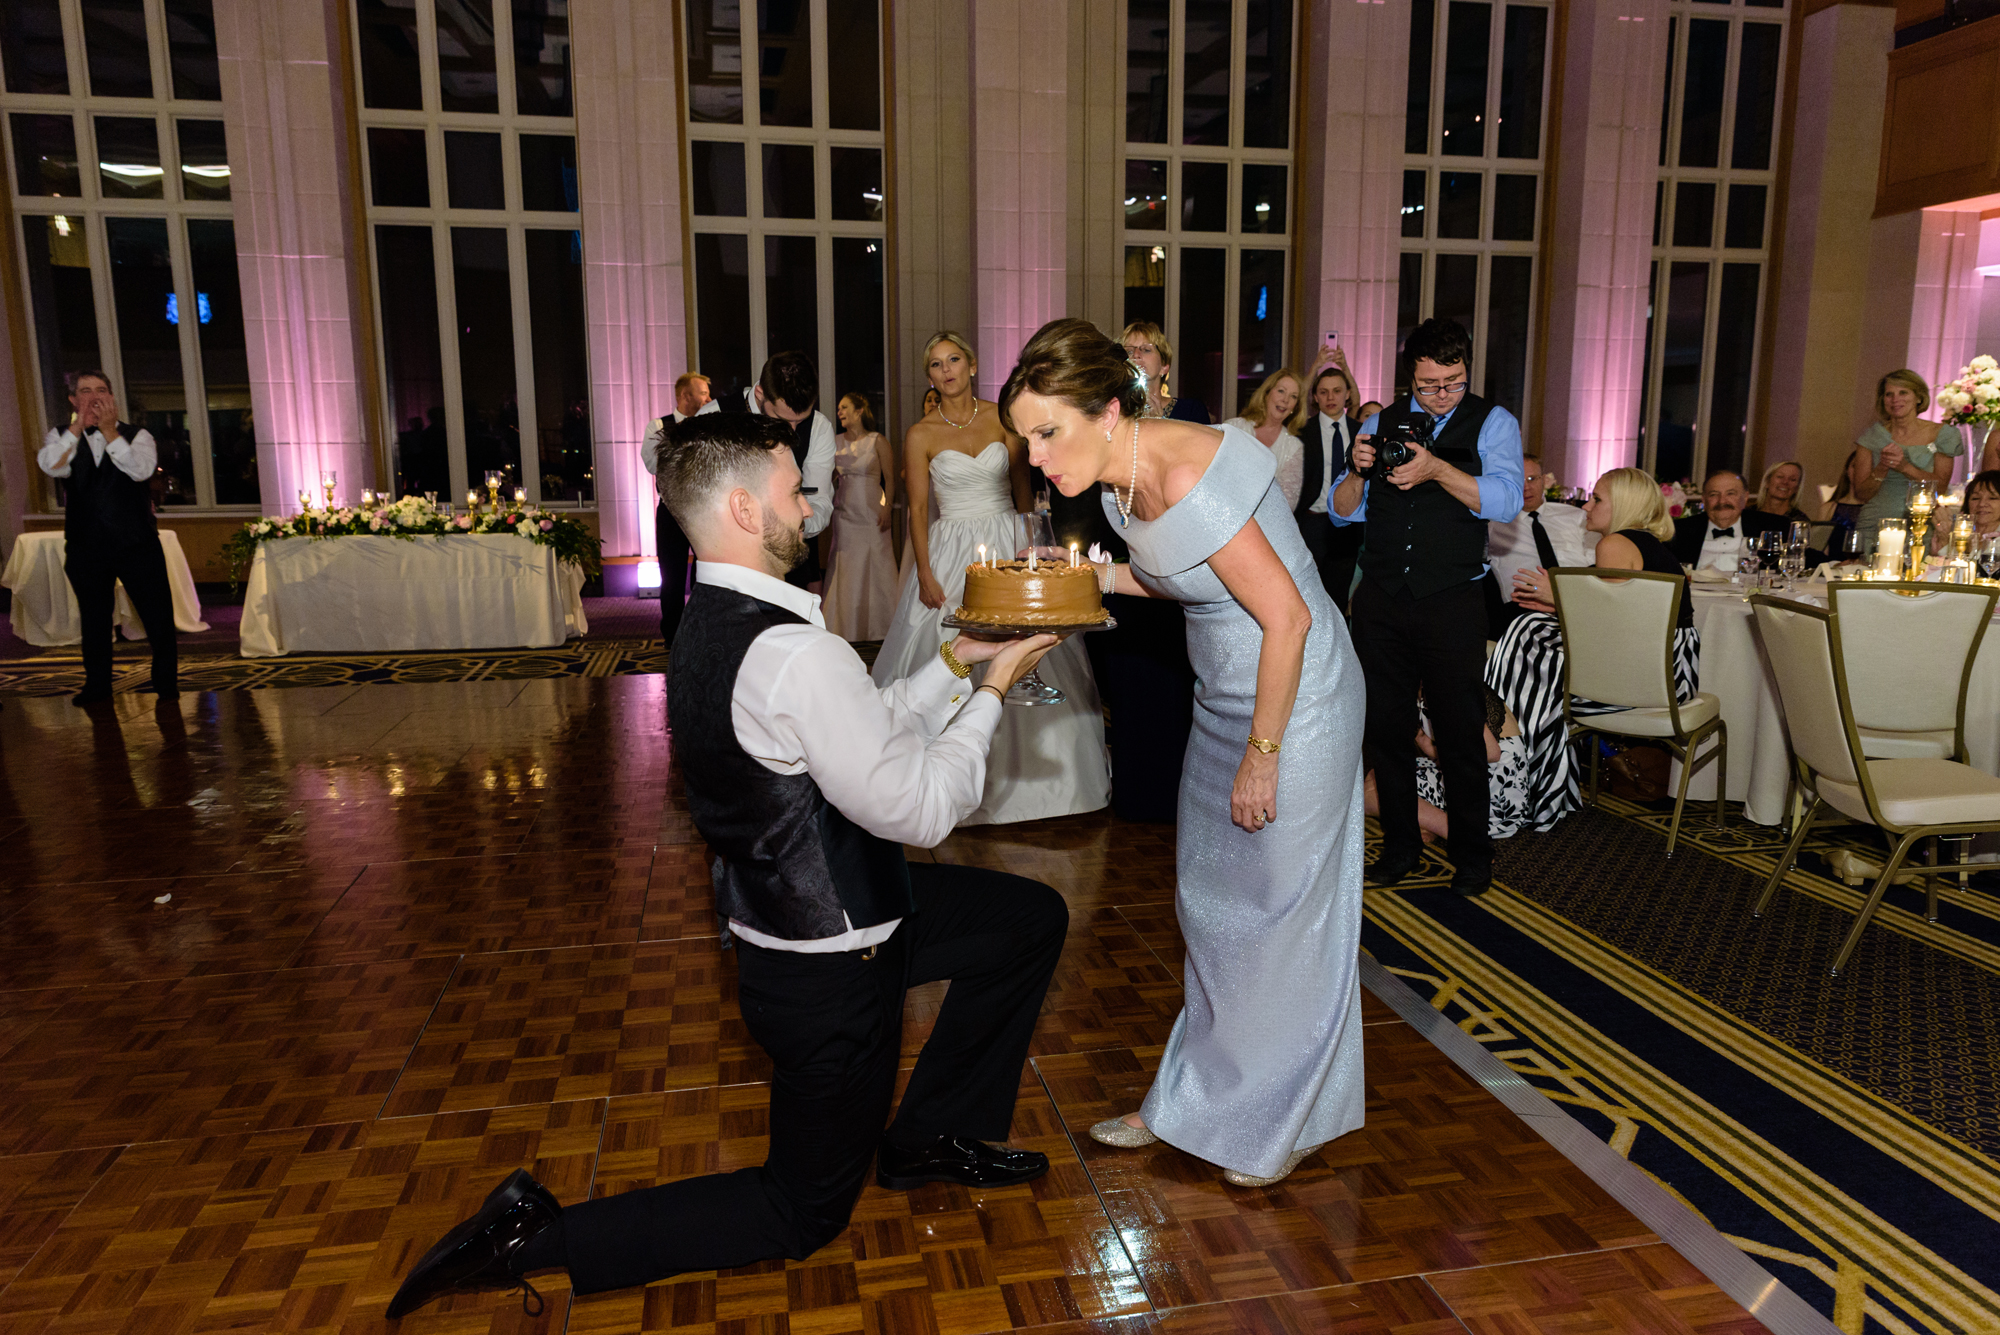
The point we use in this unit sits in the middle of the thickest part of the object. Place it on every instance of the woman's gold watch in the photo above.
(1264, 744)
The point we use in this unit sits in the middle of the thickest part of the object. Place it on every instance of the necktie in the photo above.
(1545, 551)
(1729, 532)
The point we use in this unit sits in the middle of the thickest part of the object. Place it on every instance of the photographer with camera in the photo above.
(1426, 476)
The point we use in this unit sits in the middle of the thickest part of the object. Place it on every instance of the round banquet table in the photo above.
(1733, 670)
(45, 611)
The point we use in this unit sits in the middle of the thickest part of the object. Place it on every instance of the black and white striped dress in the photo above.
(1527, 672)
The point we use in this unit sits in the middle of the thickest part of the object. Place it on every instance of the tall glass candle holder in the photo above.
(1892, 541)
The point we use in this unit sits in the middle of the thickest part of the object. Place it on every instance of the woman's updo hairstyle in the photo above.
(1073, 360)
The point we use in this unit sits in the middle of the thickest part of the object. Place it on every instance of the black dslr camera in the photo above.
(1392, 446)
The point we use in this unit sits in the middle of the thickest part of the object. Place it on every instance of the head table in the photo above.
(45, 612)
(365, 594)
(1733, 670)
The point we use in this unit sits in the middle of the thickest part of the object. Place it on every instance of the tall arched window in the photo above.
(1208, 187)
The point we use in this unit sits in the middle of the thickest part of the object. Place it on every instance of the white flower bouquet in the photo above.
(413, 517)
(1974, 398)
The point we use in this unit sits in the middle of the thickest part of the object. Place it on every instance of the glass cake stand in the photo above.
(1030, 689)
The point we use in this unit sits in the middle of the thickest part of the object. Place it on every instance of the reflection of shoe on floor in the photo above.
(90, 695)
(960, 1159)
(1292, 1161)
(480, 1254)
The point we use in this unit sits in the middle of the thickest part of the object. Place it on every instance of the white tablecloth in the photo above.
(367, 595)
(45, 609)
(1734, 670)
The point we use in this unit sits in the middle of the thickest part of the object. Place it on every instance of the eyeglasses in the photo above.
(1452, 390)
(1140, 349)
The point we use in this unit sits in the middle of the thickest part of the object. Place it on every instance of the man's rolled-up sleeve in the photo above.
(1500, 467)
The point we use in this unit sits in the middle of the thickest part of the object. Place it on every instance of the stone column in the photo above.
(1354, 75)
(628, 130)
(1603, 170)
(1843, 279)
(1096, 133)
(929, 67)
(285, 115)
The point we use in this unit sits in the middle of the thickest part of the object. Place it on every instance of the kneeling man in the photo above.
(806, 780)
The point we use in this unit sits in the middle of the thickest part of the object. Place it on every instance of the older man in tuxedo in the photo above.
(1727, 528)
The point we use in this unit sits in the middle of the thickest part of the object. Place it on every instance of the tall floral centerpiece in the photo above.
(1973, 402)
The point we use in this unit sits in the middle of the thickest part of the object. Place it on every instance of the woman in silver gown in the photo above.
(1264, 1063)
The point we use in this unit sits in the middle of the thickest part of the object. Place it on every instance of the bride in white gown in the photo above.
(1047, 760)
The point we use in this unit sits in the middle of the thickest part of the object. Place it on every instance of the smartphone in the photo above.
(1333, 338)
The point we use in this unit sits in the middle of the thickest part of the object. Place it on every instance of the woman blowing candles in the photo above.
(1527, 665)
(1264, 1063)
(1274, 415)
(1899, 452)
(1047, 761)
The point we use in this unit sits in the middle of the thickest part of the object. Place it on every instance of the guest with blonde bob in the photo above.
(1526, 669)
(1778, 494)
(1274, 415)
(1147, 346)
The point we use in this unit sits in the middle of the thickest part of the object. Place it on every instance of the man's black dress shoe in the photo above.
(1472, 878)
(1392, 867)
(478, 1254)
(91, 695)
(960, 1159)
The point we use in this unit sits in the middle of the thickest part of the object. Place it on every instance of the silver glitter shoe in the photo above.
(1296, 1158)
(1117, 1131)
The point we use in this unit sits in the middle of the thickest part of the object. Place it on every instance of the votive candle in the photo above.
(472, 496)
(520, 495)
(367, 497)
(305, 499)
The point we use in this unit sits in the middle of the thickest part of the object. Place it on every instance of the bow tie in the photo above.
(1729, 532)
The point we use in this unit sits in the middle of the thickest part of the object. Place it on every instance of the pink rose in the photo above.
(1674, 510)
(548, 524)
(463, 521)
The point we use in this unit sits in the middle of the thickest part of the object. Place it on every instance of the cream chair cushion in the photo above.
(1919, 792)
(1617, 632)
(1884, 744)
(1656, 722)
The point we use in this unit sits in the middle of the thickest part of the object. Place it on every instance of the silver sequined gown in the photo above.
(1266, 1054)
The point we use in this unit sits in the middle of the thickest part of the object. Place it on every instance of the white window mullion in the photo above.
(193, 382)
(524, 363)
(454, 385)
(108, 350)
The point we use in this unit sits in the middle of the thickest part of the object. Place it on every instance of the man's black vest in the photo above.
(787, 862)
(1425, 540)
(103, 508)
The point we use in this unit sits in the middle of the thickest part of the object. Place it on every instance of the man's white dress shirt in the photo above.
(655, 441)
(905, 762)
(1510, 544)
(1721, 553)
(1335, 442)
(817, 469)
(135, 458)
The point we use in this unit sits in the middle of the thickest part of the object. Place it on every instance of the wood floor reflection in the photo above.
(289, 978)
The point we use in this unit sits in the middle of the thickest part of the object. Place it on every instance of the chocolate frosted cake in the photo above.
(1007, 593)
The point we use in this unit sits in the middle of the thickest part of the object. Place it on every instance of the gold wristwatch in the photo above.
(1264, 744)
(958, 669)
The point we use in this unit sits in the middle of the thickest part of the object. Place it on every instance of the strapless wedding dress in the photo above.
(1047, 760)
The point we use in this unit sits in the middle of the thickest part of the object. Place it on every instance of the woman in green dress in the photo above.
(1899, 451)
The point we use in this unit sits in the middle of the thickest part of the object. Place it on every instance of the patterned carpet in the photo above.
(1845, 1132)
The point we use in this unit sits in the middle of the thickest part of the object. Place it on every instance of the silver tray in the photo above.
(987, 630)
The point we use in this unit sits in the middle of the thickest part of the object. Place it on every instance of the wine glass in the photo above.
(1034, 532)
(1986, 551)
(1746, 573)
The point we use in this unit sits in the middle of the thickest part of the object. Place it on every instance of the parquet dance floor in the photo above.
(288, 979)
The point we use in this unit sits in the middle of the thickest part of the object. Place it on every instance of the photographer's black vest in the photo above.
(787, 863)
(103, 508)
(1424, 540)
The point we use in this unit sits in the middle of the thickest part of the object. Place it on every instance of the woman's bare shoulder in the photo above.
(1188, 448)
(1619, 552)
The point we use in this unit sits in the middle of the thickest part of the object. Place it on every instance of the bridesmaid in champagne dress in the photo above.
(861, 584)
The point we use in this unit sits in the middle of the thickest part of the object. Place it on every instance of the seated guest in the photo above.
(1629, 513)
(1779, 495)
(806, 781)
(1982, 506)
(1274, 415)
(1506, 777)
(1714, 539)
(1538, 539)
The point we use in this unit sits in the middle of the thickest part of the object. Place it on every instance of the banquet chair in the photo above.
(1618, 649)
(1908, 798)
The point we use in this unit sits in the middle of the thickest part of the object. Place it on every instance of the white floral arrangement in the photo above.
(413, 517)
(1974, 398)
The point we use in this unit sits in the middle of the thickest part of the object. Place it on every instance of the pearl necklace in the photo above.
(960, 425)
(1125, 503)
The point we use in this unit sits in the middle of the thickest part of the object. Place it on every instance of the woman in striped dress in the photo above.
(1527, 665)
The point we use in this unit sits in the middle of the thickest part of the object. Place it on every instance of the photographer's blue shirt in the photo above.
(1500, 468)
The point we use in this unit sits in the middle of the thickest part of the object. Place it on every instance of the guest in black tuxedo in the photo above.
(110, 533)
(1419, 617)
(788, 389)
(669, 543)
(806, 780)
(1327, 436)
(1715, 538)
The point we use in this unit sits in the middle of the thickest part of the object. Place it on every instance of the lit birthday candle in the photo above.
(982, 553)
(1072, 554)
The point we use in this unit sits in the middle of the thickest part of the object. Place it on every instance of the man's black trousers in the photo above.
(142, 567)
(672, 547)
(1436, 645)
(832, 1025)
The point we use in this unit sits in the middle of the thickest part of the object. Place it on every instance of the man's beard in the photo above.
(786, 546)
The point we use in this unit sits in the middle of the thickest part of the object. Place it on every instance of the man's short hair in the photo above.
(688, 378)
(1439, 340)
(792, 378)
(74, 378)
(716, 453)
(1715, 473)
(1527, 457)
